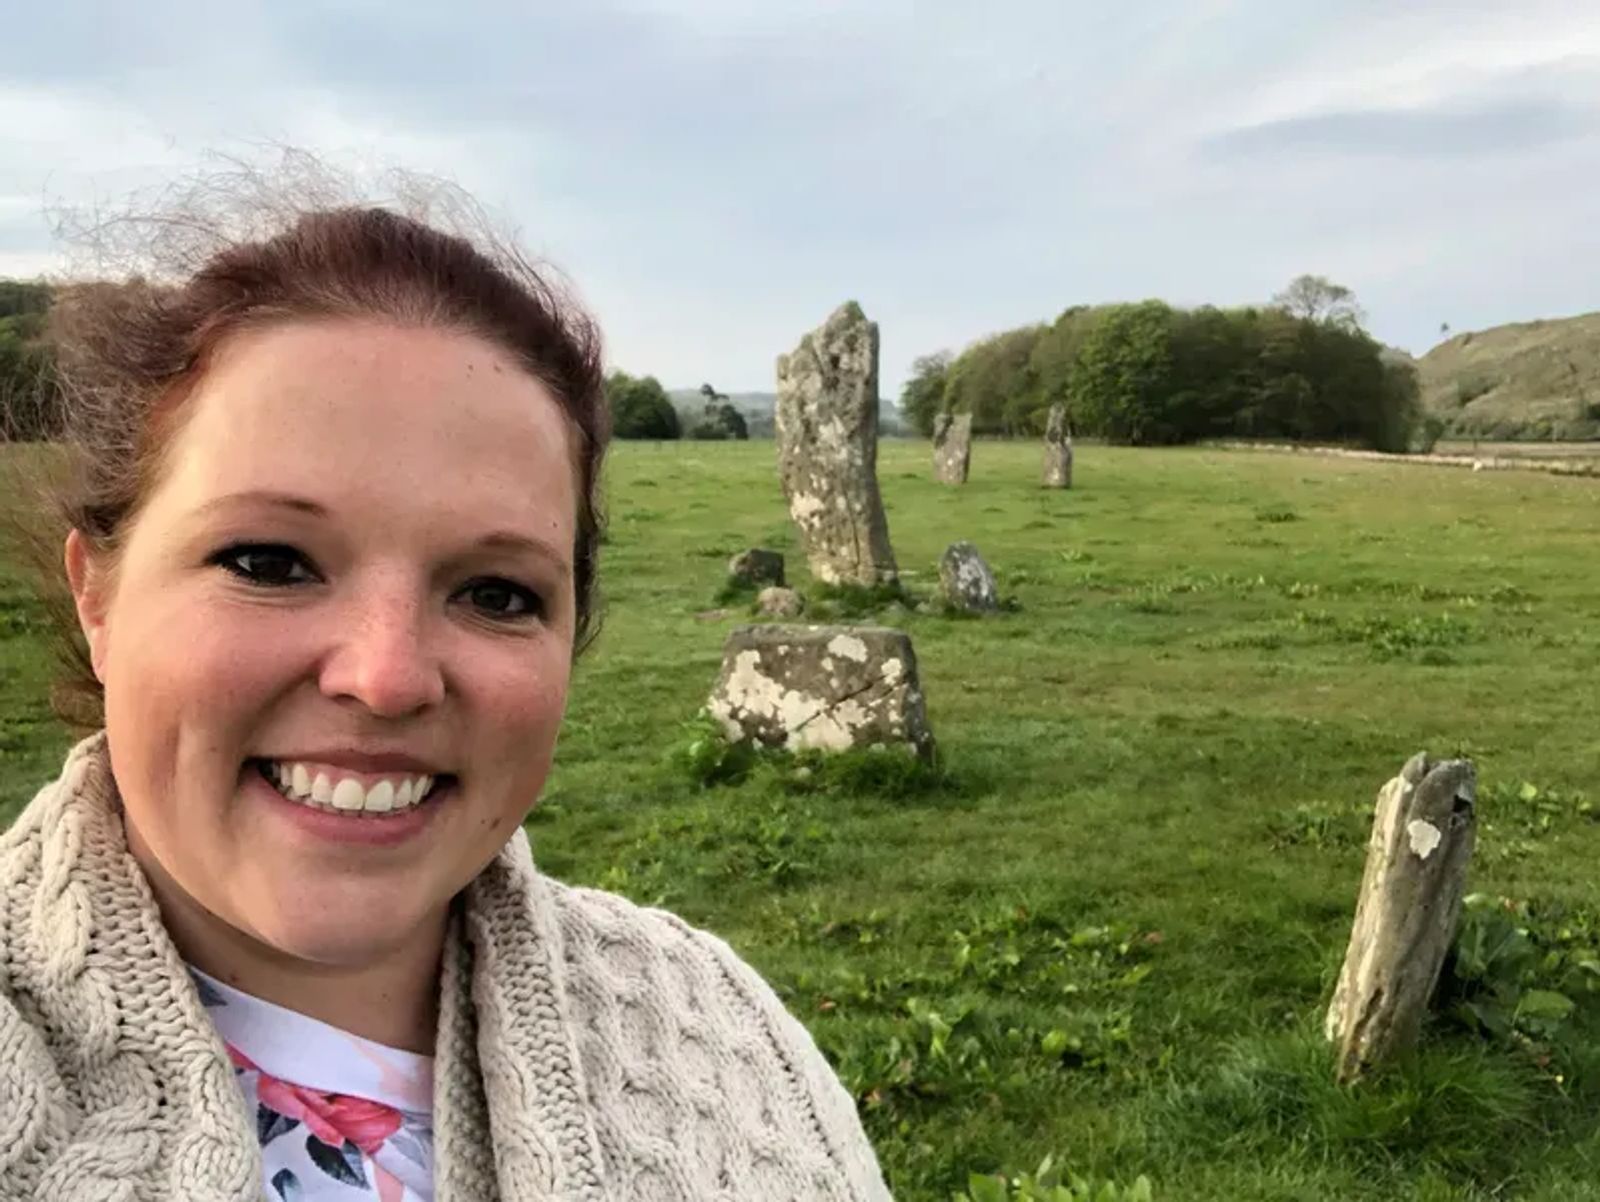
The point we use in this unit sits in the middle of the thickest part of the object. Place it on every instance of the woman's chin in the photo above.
(318, 927)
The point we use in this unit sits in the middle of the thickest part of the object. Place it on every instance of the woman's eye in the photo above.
(266, 564)
(502, 599)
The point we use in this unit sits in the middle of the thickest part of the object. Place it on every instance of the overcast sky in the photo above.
(717, 175)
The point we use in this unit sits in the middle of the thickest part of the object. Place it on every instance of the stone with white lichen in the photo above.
(824, 687)
(966, 580)
(826, 423)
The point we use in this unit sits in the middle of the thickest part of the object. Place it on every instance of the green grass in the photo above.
(1105, 925)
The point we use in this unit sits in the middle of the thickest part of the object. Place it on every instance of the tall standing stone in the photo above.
(952, 447)
(827, 433)
(1057, 449)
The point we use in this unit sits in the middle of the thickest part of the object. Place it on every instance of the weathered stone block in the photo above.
(827, 687)
(1423, 834)
(966, 580)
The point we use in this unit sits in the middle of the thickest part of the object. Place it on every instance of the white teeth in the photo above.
(300, 782)
(380, 798)
(348, 795)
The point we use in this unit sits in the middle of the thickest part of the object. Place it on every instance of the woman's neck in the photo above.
(391, 999)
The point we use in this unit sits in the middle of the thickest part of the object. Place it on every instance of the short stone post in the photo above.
(952, 447)
(1057, 449)
(1422, 839)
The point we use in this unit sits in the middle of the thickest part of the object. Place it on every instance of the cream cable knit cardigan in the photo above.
(588, 1049)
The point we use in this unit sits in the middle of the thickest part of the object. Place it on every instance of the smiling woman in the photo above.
(330, 548)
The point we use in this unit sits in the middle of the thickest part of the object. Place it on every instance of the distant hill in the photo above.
(757, 408)
(1537, 380)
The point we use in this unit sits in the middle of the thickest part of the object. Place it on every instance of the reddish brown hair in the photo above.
(129, 353)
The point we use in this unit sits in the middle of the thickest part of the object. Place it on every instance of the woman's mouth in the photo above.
(341, 791)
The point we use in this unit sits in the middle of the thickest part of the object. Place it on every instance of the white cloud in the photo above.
(716, 175)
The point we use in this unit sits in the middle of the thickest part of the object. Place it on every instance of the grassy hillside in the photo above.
(1108, 930)
(1529, 380)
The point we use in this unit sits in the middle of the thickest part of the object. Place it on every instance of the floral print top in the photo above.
(340, 1118)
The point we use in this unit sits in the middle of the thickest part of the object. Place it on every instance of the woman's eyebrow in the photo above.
(514, 542)
(263, 496)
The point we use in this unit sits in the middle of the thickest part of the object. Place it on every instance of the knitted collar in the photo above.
(151, 1103)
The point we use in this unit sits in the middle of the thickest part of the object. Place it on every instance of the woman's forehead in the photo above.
(369, 417)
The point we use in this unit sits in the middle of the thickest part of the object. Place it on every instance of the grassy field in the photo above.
(1107, 928)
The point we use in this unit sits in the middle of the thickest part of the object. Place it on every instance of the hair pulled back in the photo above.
(243, 251)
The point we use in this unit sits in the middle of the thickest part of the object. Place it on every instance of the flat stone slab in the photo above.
(830, 688)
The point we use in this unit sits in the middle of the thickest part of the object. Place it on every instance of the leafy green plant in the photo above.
(1524, 975)
(1049, 1183)
(892, 773)
(706, 755)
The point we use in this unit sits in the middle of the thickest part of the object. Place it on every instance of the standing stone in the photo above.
(755, 567)
(826, 422)
(1057, 449)
(826, 687)
(952, 447)
(966, 580)
(1416, 875)
(776, 602)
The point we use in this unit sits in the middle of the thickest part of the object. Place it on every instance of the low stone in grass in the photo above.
(776, 602)
(825, 687)
(966, 581)
(756, 567)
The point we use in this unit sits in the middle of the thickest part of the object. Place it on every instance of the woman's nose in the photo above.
(383, 658)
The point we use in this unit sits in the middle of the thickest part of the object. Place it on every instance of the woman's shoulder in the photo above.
(641, 949)
(669, 1012)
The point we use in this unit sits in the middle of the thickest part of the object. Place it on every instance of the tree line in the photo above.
(641, 408)
(1301, 368)
(1148, 373)
(27, 379)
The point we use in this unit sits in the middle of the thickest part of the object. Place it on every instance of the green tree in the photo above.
(922, 398)
(28, 409)
(640, 407)
(1121, 378)
(720, 418)
(993, 380)
(1317, 298)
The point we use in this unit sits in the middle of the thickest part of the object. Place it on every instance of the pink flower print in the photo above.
(332, 1118)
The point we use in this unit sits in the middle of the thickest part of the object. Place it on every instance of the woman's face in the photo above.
(351, 588)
